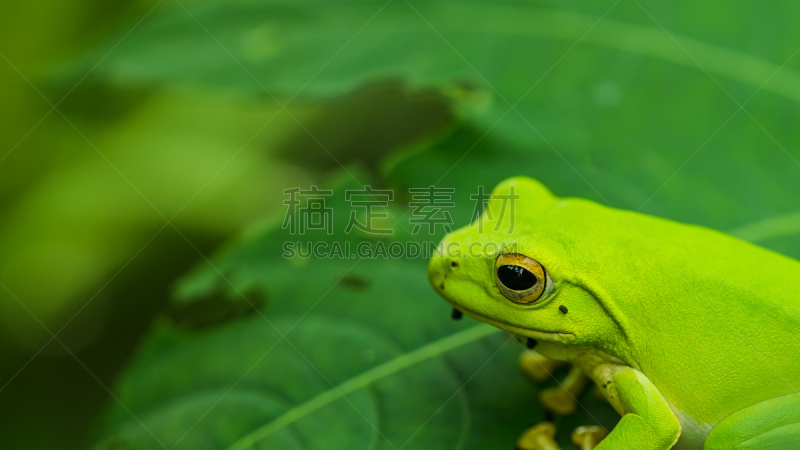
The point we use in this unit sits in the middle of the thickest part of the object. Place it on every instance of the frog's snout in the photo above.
(439, 269)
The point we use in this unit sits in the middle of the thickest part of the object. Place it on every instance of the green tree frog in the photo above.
(692, 335)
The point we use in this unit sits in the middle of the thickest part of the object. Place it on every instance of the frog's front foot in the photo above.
(542, 437)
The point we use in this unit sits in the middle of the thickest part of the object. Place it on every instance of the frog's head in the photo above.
(516, 267)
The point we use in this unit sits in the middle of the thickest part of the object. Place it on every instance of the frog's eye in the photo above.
(521, 279)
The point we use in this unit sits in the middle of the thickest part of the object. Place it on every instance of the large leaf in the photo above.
(328, 47)
(372, 362)
(611, 106)
(736, 190)
(625, 117)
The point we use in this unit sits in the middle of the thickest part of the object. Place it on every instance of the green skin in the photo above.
(693, 335)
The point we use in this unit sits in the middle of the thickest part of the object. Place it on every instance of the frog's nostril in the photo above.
(453, 264)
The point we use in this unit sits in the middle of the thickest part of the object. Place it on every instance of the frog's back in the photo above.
(714, 320)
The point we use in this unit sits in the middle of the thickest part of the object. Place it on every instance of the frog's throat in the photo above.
(559, 336)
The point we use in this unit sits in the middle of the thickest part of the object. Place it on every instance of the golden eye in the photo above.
(520, 279)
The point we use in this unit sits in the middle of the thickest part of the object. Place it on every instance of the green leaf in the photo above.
(726, 186)
(627, 116)
(328, 47)
(608, 105)
(373, 362)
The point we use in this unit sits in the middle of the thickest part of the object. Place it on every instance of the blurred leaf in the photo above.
(330, 47)
(608, 105)
(727, 187)
(368, 124)
(83, 220)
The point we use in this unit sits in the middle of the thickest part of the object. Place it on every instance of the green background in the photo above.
(140, 217)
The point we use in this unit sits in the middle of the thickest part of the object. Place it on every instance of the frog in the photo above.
(692, 335)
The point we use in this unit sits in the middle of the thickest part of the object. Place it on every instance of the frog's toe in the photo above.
(537, 366)
(587, 438)
(558, 400)
(538, 437)
(563, 399)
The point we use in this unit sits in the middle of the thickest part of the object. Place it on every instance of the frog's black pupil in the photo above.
(516, 278)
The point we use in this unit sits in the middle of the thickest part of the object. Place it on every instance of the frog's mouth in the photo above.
(560, 336)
